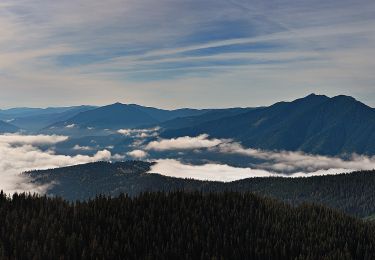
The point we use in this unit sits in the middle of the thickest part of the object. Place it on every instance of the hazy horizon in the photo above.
(172, 108)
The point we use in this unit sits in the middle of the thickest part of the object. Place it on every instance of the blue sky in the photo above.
(184, 53)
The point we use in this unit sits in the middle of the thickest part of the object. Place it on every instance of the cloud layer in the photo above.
(285, 161)
(16, 139)
(282, 162)
(223, 172)
(19, 153)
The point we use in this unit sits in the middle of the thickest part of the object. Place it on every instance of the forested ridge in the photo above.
(315, 124)
(178, 225)
(351, 193)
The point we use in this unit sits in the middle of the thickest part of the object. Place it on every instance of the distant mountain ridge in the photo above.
(7, 128)
(116, 116)
(32, 111)
(39, 121)
(34, 119)
(313, 124)
(210, 115)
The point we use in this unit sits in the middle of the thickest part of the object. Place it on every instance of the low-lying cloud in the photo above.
(140, 133)
(17, 139)
(82, 148)
(273, 161)
(137, 154)
(285, 161)
(223, 172)
(183, 143)
(19, 153)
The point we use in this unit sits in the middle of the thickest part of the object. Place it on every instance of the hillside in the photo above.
(7, 128)
(352, 193)
(314, 124)
(178, 226)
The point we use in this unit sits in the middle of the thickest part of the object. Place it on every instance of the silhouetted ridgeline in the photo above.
(352, 193)
(178, 226)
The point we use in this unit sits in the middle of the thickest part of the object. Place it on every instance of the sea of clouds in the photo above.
(272, 163)
(20, 153)
(224, 172)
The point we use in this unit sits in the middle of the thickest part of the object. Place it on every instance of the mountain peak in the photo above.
(117, 104)
(313, 95)
(312, 98)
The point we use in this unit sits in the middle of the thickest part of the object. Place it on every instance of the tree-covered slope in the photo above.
(314, 124)
(178, 226)
(7, 128)
(85, 181)
(352, 193)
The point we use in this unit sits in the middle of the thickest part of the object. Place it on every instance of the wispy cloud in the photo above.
(168, 53)
(18, 139)
(139, 133)
(183, 143)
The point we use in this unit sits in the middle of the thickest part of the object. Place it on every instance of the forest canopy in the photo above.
(178, 225)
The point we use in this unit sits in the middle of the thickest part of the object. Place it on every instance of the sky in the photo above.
(190, 53)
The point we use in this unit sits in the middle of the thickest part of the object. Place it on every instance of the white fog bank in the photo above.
(19, 153)
(225, 173)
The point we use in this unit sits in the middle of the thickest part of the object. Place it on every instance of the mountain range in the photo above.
(117, 116)
(34, 119)
(315, 124)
